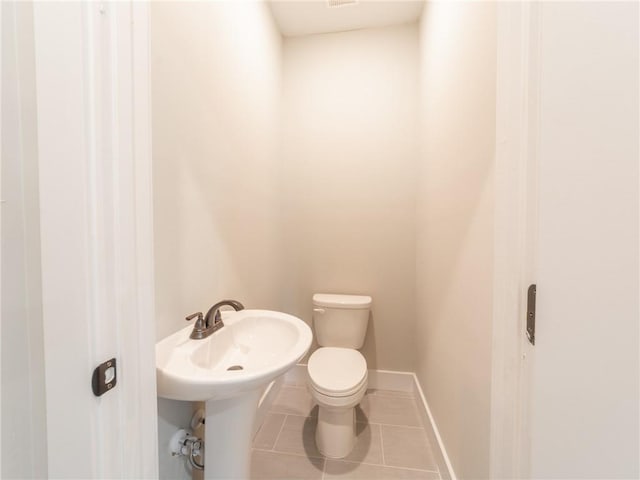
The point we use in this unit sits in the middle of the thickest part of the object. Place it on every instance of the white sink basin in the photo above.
(258, 346)
(228, 370)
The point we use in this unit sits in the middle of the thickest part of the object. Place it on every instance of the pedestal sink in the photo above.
(228, 371)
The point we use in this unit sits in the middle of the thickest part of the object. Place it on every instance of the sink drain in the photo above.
(235, 367)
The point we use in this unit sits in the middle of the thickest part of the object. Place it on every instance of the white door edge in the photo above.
(96, 232)
(0, 251)
(515, 236)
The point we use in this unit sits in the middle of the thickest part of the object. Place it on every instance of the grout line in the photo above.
(325, 459)
(394, 425)
(278, 452)
(273, 447)
(301, 416)
(390, 393)
(386, 466)
(295, 454)
(382, 447)
(368, 422)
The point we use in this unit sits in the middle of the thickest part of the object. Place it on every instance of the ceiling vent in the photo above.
(340, 3)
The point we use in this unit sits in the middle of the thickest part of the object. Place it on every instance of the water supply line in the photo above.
(184, 444)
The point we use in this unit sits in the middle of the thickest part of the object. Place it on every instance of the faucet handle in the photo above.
(199, 322)
(194, 315)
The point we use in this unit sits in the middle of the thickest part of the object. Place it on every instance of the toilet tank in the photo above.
(340, 320)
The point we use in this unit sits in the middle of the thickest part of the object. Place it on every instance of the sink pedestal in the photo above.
(227, 437)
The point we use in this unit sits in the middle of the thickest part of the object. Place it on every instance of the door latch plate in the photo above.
(531, 314)
(104, 377)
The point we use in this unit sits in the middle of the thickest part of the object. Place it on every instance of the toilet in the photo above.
(337, 371)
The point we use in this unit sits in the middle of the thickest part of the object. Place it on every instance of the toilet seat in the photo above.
(337, 372)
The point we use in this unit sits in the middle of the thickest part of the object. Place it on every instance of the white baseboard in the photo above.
(389, 380)
(377, 379)
(428, 419)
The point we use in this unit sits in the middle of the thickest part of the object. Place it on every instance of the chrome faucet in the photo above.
(212, 321)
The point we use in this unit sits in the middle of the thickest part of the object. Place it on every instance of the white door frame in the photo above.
(515, 233)
(92, 77)
(0, 249)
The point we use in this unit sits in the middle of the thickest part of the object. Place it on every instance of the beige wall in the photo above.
(216, 70)
(455, 226)
(216, 96)
(349, 159)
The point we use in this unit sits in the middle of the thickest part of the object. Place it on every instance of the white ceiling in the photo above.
(306, 17)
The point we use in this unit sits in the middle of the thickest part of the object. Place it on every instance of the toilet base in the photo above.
(336, 431)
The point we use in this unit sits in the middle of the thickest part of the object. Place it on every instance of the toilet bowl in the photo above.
(337, 383)
(337, 372)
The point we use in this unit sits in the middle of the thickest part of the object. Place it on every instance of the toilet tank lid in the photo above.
(341, 301)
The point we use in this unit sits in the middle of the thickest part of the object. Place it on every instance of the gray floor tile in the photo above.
(389, 410)
(390, 393)
(368, 448)
(407, 447)
(294, 401)
(391, 442)
(271, 465)
(268, 433)
(341, 469)
(298, 436)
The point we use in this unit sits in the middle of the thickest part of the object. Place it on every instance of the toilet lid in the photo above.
(337, 372)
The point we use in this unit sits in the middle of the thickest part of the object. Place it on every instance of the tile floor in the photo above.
(392, 442)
